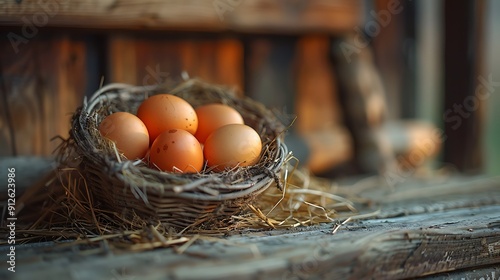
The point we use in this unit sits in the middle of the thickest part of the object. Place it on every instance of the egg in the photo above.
(232, 145)
(213, 116)
(128, 132)
(164, 112)
(176, 150)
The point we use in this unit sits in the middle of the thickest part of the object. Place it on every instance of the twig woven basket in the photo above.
(132, 188)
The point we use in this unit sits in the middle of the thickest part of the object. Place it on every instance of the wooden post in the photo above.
(463, 25)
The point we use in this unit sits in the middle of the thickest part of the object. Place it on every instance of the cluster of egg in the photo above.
(180, 138)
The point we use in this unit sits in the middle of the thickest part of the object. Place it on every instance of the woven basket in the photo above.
(131, 188)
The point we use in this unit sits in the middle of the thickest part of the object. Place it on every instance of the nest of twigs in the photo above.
(178, 200)
(96, 194)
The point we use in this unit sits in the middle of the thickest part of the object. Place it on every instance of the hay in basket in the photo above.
(97, 194)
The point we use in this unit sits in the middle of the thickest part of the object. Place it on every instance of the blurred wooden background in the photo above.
(282, 53)
(276, 52)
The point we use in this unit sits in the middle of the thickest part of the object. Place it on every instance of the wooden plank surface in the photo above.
(199, 15)
(393, 248)
(424, 227)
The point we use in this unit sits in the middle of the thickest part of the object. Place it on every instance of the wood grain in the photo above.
(44, 82)
(198, 15)
(426, 227)
(464, 101)
(320, 115)
(393, 248)
(317, 101)
(145, 61)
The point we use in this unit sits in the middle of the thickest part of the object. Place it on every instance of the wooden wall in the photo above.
(155, 59)
(41, 86)
(277, 52)
(282, 53)
(45, 82)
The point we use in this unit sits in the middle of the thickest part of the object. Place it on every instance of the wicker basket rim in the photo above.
(184, 185)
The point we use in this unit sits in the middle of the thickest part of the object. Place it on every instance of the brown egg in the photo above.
(176, 150)
(213, 116)
(164, 112)
(232, 145)
(128, 132)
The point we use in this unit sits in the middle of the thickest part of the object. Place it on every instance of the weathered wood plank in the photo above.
(483, 273)
(419, 196)
(200, 15)
(395, 248)
(28, 171)
(420, 240)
